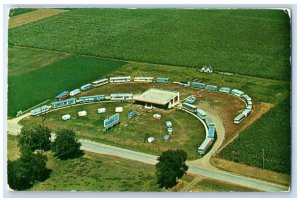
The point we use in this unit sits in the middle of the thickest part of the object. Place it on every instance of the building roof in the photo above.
(156, 96)
(62, 94)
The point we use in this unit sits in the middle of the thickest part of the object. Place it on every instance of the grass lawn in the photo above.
(93, 172)
(13, 152)
(38, 75)
(250, 42)
(188, 132)
(271, 133)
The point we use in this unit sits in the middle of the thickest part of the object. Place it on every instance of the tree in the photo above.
(66, 145)
(35, 137)
(170, 167)
(29, 168)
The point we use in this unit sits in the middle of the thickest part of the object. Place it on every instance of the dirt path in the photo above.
(33, 16)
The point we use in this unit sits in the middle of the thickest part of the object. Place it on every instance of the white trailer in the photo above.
(75, 92)
(205, 145)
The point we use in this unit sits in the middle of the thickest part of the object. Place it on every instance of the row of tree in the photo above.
(33, 142)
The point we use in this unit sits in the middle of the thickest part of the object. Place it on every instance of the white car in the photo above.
(151, 139)
(66, 117)
(170, 130)
(101, 110)
(157, 116)
(169, 124)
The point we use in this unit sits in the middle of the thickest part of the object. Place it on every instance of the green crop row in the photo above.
(249, 42)
(268, 140)
(39, 83)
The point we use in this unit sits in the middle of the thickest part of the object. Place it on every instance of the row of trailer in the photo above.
(210, 136)
(235, 92)
(81, 100)
(101, 82)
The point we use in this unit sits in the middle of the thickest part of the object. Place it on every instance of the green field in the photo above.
(18, 11)
(38, 75)
(271, 133)
(249, 42)
(188, 132)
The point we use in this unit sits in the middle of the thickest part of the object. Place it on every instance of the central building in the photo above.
(157, 98)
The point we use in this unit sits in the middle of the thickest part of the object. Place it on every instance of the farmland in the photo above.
(188, 132)
(271, 133)
(249, 42)
(36, 75)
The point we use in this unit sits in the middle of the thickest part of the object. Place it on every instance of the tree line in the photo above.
(34, 142)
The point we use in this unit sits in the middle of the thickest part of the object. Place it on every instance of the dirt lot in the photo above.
(33, 16)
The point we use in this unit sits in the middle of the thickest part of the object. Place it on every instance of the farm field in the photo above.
(132, 134)
(35, 76)
(92, 172)
(25, 16)
(37, 67)
(271, 133)
(228, 40)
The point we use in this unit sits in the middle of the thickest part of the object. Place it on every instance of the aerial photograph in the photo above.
(149, 100)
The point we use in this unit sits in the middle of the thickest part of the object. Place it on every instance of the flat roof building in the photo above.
(158, 98)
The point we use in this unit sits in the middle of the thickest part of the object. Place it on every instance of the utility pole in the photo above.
(263, 156)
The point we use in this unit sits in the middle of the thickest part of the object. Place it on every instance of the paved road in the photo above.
(214, 173)
(195, 167)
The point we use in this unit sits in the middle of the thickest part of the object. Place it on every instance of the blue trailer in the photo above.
(211, 87)
(62, 96)
(224, 90)
(86, 87)
(162, 80)
(63, 103)
(93, 98)
(198, 85)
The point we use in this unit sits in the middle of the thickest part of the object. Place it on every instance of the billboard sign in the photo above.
(111, 121)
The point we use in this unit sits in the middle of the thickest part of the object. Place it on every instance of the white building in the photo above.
(158, 98)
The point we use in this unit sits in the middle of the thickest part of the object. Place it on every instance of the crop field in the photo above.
(248, 42)
(32, 16)
(37, 75)
(271, 133)
(188, 132)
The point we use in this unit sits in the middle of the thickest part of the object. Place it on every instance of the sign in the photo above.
(111, 121)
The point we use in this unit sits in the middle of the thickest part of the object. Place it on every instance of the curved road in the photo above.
(199, 167)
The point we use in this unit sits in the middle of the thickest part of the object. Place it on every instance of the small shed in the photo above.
(66, 117)
(119, 109)
(82, 113)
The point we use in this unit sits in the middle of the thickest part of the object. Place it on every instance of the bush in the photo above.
(66, 145)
